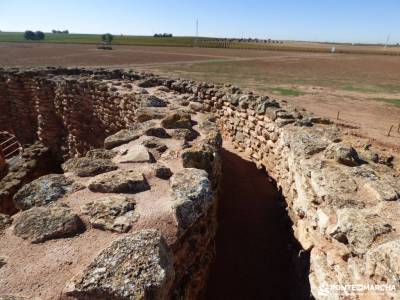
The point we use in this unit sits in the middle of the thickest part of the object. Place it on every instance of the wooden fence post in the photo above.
(390, 130)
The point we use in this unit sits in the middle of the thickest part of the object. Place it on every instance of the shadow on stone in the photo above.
(257, 256)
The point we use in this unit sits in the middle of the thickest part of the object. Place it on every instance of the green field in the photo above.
(286, 91)
(73, 38)
(207, 42)
(395, 102)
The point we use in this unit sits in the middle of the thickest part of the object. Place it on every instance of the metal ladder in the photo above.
(10, 147)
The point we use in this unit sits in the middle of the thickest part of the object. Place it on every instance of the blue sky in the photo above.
(318, 20)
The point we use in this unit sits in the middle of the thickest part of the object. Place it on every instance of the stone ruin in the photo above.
(115, 193)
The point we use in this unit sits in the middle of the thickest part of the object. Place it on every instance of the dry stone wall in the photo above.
(343, 200)
(134, 221)
(344, 203)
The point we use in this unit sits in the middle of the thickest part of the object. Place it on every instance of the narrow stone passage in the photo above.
(253, 244)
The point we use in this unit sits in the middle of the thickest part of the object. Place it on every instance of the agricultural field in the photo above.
(74, 38)
(363, 89)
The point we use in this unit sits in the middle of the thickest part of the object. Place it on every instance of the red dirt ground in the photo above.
(320, 76)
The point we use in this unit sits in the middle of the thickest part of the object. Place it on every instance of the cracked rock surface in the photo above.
(40, 224)
(138, 266)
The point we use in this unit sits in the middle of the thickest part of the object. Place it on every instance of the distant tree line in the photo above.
(35, 36)
(163, 35)
(60, 31)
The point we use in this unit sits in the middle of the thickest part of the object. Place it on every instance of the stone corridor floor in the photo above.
(253, 239)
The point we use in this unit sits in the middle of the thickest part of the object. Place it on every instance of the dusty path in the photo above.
(253, 259)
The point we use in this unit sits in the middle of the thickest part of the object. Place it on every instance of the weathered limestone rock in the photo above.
(126, 135)
(162, 171)
(121, 137)
(153, 101)
(383, 189)
(147, 83)
(86, 167)
(343, 154)
(114, 213)
(156, 144)
(135, 154)
(148, 113)
(308, 143)
(196, 106)
(199, 156)
(265, 104)
(155, 147)
(44, 190)
(101, 154)
(177, 120)
(382, 263)
(157, 132)
(36, 160)
(358, 228)
(120, 181)
(40, 224)
(185, 134)
(11, 297)
(193, 195)
(138, 266)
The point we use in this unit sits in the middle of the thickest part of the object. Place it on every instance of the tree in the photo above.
(107, 37)
(39, 35)
(29, 35)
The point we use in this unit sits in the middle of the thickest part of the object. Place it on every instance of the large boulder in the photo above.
(40, 224)
(192, 194)
(138, 266)
(121, 181)
(114, 213)
(86, 167)
(44, 190)
(177, 120)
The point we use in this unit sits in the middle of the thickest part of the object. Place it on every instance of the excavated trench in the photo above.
(257, 256)
(63, 113)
